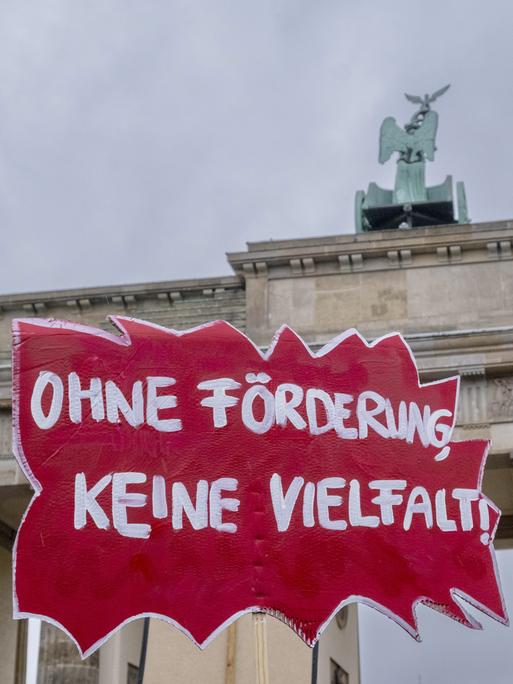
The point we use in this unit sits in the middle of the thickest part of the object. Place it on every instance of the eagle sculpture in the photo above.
(427, 99)
(414, 145)
(416, 141)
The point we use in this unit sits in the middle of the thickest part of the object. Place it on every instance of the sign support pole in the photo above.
(231, 643)
(261, 656)
(315, 662)
(144, 648)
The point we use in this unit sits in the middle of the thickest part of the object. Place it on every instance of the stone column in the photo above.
(60, 662)
(473, 399)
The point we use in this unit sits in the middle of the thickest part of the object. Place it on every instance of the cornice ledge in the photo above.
(36, 303)
(380, 250)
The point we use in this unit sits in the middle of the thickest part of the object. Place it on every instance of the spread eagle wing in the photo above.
(391, 139)
(413, 98)
(437, 93)
(423, 138)
(421, 141)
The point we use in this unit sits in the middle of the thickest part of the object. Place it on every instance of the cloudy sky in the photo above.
(139, 141)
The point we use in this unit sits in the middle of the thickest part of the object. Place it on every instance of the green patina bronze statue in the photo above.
(411, 203)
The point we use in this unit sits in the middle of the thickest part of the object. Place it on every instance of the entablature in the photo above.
(376, 251)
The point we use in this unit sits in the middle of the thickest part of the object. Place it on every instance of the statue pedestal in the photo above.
(411, 204)
(410, 182)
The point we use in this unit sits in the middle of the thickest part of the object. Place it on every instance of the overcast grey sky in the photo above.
(140, 140)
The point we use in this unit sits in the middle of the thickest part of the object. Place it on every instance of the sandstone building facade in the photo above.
(448, 289)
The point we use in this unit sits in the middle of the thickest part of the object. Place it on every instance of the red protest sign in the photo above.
(189, 476)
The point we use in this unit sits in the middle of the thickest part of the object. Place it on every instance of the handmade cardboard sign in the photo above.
(191, 477)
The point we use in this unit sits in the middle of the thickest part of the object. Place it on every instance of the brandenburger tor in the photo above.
(415, 264)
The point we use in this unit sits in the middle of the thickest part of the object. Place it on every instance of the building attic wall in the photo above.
(456, 277)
